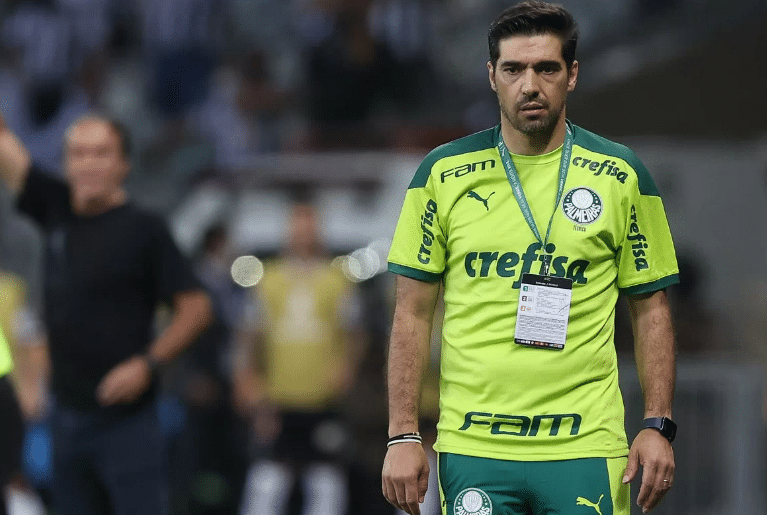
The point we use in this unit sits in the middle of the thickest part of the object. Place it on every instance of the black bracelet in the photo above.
(414, 437)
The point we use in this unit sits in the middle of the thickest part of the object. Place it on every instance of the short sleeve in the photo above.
(44, 198)
(172, 272)
(646, 260)
(26, 327)
(418, 247)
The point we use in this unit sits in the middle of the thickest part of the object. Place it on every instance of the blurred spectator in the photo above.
(20, 248)
(21, 341)
(19, 284)
(39, 98)
(348, 73)
(91, 24)
(213, 268)
(43, 40)
(176, 158)
(698, 328)
(242, 113)
(404, 27)
(298, 355)
(217, 437)
(181, 39)
(12, 429)
(40, 115)
(108, 265)
(23, 329)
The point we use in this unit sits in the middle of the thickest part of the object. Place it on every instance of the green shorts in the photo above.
(482, 486)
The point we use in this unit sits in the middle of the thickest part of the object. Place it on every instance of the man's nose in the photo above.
(530, 83)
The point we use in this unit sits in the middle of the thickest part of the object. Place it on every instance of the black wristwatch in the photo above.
(664, 425)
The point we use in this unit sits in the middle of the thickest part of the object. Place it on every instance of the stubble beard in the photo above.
(542, 127)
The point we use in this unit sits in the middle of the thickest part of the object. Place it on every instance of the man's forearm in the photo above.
(655, 352)
(408, 351)
(192, 314)
(407, 355)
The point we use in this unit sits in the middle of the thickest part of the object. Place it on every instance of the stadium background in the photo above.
(235, 103)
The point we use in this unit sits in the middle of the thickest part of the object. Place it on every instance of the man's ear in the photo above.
(572, 76)
(491, 76)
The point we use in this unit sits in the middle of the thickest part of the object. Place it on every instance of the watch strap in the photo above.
(664, 425)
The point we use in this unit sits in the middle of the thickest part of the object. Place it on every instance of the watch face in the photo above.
(668, 429)
(664, 425)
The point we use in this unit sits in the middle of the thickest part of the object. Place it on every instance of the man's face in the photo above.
(532, 82)
(93, 161)
(304, 233)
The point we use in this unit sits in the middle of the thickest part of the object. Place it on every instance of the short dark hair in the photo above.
(534, 18)
(123, 134)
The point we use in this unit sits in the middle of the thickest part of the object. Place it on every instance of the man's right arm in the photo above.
(406, 469)
(15, 161)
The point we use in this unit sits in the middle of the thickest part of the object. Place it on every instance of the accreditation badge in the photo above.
(543, 311)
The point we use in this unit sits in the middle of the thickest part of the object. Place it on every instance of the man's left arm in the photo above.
(192, 313)
(655, 358)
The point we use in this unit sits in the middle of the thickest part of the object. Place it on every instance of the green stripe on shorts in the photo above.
(482, 486)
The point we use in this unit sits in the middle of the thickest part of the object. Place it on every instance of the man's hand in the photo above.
(249, 391)
(651, 450)
(405, 476)
(33, 402)
(125, 383)
(14, 159)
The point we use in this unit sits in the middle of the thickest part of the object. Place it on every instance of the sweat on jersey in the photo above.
(461, 224)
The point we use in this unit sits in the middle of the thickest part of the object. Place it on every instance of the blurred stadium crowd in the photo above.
(203, 86)
(229, 75)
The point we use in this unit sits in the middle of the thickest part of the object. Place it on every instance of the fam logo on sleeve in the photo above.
(473, 501)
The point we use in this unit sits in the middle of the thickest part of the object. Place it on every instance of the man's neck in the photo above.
(95, 207)
(533, 145)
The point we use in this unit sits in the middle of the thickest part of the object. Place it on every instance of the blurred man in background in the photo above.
(216, 436)
(108, 265)
(23, 372)
(12, 428)
(298, 354)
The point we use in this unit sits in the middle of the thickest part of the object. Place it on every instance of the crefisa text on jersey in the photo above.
(640, 242)
(607, 166)
(427, 224)
(480, 264)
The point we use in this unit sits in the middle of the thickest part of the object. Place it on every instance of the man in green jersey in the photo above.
(534, 227)
(12, 427)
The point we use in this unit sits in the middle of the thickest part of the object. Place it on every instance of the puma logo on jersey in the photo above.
(582, 501)
(473, 194)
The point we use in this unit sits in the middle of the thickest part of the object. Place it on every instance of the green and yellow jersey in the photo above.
(12, 292)
(6, 363)
(305, 325)
(461, 224)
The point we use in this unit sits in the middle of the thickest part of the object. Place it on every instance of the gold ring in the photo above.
(665, 481)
